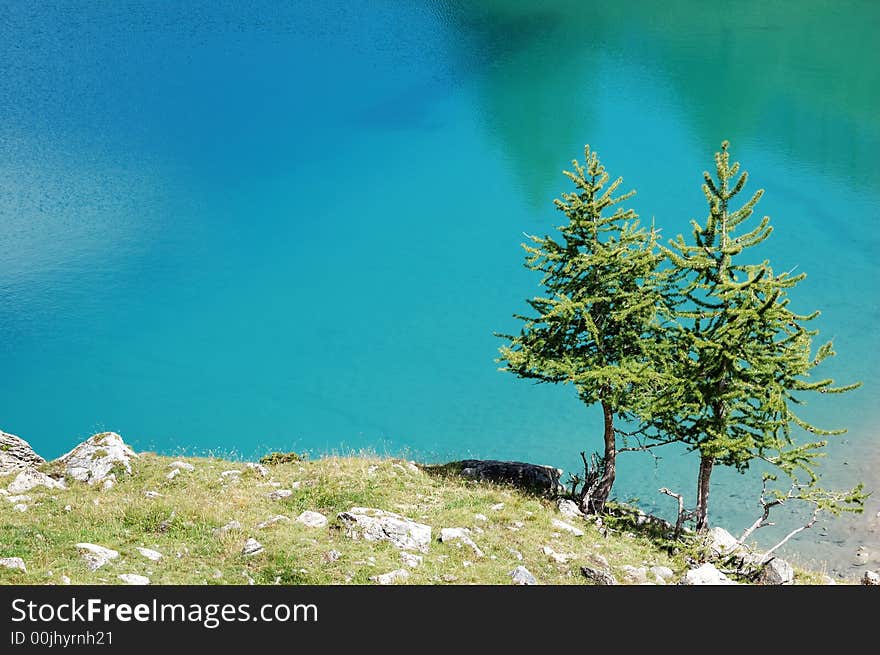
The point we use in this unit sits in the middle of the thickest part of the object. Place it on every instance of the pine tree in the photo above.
(742, 357)
(600, 303)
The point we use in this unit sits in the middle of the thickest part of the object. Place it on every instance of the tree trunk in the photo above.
(702, 514)
(600, 496)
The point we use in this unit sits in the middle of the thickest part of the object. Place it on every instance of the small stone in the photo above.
(559, 558)
(460, 536)
(20, 507)
(230, 473)
(481, 517)
(634, 575)
(68, 508)
(22, 498)
(522, 576)
(259, 469)
(663, 572)
(569, 509)
(109, 482)
(252, 547)
(174, 473)
(598, 576)
(497, 507)
(134, 579)
(871, 579)
(150, 554)
(411, 559)
(278, 494)
(185, 466)
(312, 519)
(391, 578)
(562, 525)
(15, 563)
(278, 518)
(518, 555)
(232, 525)
(65, 580)
(599, 560)
(449, 577)
(374, 524)
(96, 556)
(152, 494)
(332, 556)
(217, 574)
(516, 526)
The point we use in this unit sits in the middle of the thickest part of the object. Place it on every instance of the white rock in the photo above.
(68, 508)
(252, 547)
(152, 494)
(259, 469)
(460, 536)
(481, 517)
(707, 574)
(230, 473)
(96, 556)
(16, 454)
(278, 494)
(150, 554)
(13, 563)
(559, 558)
(185, 466)
(776, 572)
(569, 509)
(871, 579)
(332, 556)
(22, 498)
(497, 507)
(391, 578)
(97, 457)
(65, 580)
(634, 575)
(663, 572)
(174, 473)
(410, 559)
(378, 525)
(721, 542)
(567, 527)
(278, 518)
(312, 519)
(134, 578)
(3, 492)
(515, 553)
(109, 482)
(522, 576)
(20, 507)
(30, 478)
(232, 525)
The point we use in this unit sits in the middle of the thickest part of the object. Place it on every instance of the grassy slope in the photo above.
(123, 518)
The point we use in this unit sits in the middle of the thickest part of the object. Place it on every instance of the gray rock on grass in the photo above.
(30, 478)
(96, 556)
(16, 454)
(15, 563)
(461, 536)
(378, 525)
(522, 576)
(97, 458)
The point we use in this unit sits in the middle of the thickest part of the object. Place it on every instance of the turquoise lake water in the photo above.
(240, 227)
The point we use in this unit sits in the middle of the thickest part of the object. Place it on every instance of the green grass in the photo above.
(181, 525)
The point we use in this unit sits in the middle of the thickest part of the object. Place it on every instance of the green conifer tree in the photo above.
(741, 357)
(600, 303)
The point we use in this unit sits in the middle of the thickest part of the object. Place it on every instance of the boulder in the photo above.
(134, 579)
(462, 536)
(98, 457)
(30, 478)
(775, 572)
(706, 574)
(13, 563)
(96, 556)
(378, 525)
(522, 576)
(16, 454)
(536, 478)
(312, 519)
(598, 576)
(722, 543)
(569, 509)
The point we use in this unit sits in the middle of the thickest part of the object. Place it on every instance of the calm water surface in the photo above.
(234, 227)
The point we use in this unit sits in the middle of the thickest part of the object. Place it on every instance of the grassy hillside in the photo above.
(181, 523)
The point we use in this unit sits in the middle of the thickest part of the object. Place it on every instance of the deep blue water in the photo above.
(236, 227)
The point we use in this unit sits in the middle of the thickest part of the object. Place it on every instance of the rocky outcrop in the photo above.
(706, 574)
(98, 457)
(16, 454)
(598, 576)
(30, 478)
(378, 525)
(536, 478)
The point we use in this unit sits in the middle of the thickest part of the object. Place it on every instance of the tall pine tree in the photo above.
(742, 357)
(600, 304)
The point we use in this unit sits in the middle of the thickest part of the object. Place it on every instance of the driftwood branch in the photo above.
(682, 514)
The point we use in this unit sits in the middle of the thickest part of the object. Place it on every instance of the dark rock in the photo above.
(598, 576)
(536, 478)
